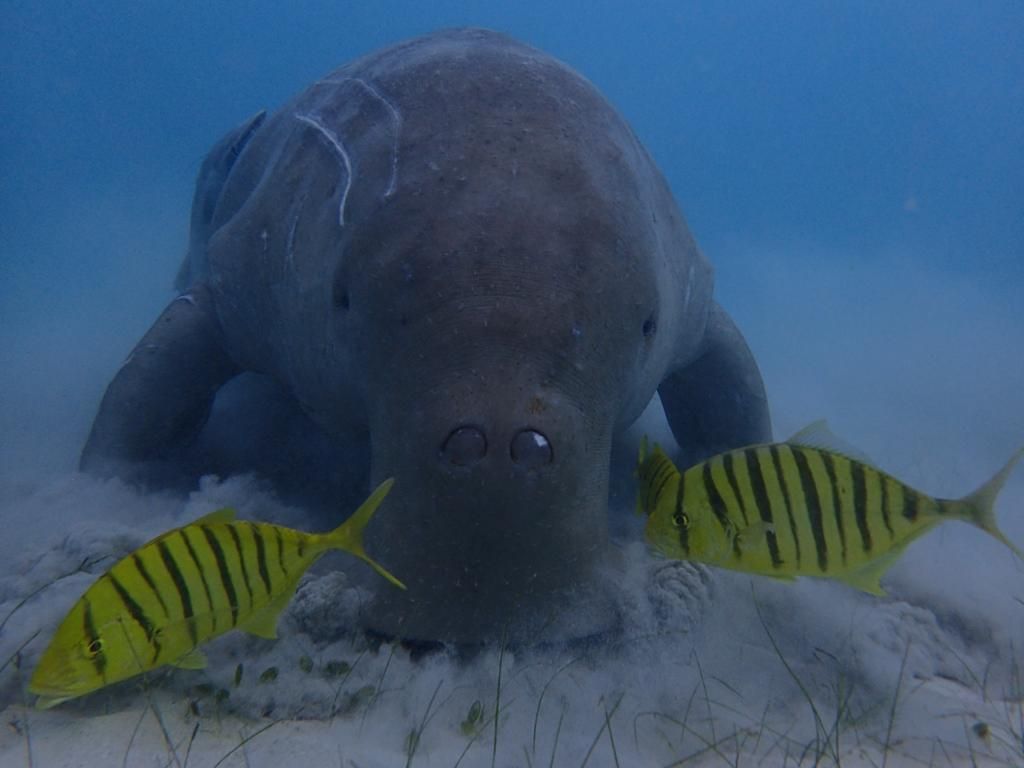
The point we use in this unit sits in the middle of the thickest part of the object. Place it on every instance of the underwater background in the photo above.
(855, 173)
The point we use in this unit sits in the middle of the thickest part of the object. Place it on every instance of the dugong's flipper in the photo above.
(717, 402)
(162, 394)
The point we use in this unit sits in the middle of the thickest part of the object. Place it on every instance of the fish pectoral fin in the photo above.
(194, 659)
(753, 533)
(263, 623)
(223, 515)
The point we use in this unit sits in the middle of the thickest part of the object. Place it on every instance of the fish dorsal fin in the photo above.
(651, 467)
(641, 454)
(223, 515)
(818, 435)
(194, 659)
(263, 623)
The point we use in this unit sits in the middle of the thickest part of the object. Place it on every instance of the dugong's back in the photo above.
(445, 143)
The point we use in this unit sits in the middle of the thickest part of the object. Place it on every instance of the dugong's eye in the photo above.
(650, 326)
(681, 520)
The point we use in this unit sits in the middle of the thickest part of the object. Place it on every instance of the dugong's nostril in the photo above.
(531, 449)
(464, 446)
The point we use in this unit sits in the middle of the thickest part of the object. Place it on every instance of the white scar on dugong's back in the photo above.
(338, 145)
(395, 115)
(335, 142)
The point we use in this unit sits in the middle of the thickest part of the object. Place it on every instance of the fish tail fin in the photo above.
(980, 505)
(349, 535)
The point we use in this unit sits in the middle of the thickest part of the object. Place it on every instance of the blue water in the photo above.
(854, 131)
(801, 121)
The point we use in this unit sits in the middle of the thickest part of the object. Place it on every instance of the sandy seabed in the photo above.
(711, 668)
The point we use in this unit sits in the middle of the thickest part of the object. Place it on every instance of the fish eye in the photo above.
(94, 647)
(681, 520)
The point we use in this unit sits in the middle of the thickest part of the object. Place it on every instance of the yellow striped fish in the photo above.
(798, 508)
(183, 588)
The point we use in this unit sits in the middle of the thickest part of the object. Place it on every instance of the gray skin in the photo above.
(457, 249)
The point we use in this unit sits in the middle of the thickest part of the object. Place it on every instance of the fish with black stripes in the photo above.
(805, 507)
(187, 586)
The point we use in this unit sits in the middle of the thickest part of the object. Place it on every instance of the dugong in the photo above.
(455, 251)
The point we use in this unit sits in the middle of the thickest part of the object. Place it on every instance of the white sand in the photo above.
(694, 677)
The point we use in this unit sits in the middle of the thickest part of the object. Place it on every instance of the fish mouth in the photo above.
(50, 696)
(48, 702)
(43, 688)
(50, 687)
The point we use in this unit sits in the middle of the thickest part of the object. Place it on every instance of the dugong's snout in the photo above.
(497, 524)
